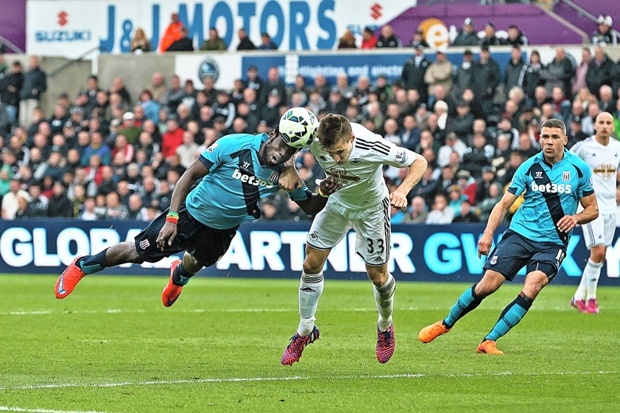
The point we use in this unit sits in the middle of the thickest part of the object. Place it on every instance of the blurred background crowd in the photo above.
(105, 154)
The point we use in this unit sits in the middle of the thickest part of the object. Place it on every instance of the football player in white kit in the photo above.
(355, 156)
(602, 153)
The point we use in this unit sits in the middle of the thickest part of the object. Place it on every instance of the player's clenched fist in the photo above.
(398, 200)
(329, 185)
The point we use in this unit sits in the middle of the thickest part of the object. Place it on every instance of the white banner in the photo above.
(72, 28)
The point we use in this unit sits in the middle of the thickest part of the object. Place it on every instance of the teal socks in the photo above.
(510, 317)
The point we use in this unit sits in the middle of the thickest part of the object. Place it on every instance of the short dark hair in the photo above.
(555, 123)
(332, 129)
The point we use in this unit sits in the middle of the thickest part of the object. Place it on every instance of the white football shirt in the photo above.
(604, 162)
(363, 185)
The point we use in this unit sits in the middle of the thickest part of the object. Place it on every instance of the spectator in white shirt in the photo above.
(440, 213)
(453, 144)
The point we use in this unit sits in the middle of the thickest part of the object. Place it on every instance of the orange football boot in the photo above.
(65, 284)
(172, 291)
(430, 333)
(489, 347)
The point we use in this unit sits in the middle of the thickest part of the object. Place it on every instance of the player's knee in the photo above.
(314, 261)
(490, 282)
(313, 264)
(378, 275)
(597, 255)
(534, 285)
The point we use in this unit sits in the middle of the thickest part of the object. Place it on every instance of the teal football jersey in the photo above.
(228, 195)
(550, 192)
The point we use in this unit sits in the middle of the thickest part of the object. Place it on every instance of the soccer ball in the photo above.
(298, 127)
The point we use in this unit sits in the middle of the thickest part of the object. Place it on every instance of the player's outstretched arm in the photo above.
(495, 219)
(589, 213)
(317, 201)
(196, 170)
(398, 198)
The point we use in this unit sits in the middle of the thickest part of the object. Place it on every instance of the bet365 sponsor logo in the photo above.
(552, 188)
(251, 179)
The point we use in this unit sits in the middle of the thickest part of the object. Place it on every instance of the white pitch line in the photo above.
(44, 312)
(19, 409)
(154, 382)
(113, 311)
(194, 310)
(296, 378)
(228, 310)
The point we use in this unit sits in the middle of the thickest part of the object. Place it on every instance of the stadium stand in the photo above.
(92, 143)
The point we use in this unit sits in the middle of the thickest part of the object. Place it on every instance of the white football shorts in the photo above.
(372, 227)
(600, 231)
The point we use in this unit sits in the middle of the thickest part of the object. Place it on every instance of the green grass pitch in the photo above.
(112, 347)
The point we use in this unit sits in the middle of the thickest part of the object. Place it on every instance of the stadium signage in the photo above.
(275, 18)
(63, 35)
(293, 25)
(208, 67)
(353, 64)
(22, 247)
(276, 250)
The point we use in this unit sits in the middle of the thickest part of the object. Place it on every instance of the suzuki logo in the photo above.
(62, 18)
(375, 11)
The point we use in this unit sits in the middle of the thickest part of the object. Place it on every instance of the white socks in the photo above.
(310, 290)
(384, 297)
(589, 281)
(593, 273)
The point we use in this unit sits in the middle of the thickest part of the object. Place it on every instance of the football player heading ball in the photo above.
(354, 156)
(234, 173)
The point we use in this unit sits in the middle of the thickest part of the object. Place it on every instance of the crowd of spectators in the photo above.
(175, 38)
(105, 154)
